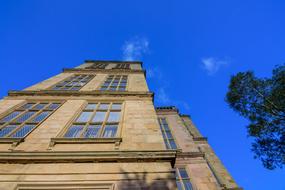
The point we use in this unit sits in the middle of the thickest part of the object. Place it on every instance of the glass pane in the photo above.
(91, 106)
(122, 89)
(99, 116)
(10, 116)
(53, 106)
(113, 88)
(114, 117)
(123, 84)
(183, 173)
(25, 116)
(187, 185)
(74, 131)
(166, 144)
(179, 186)
(40, 117)
(104, 106)
(92, 131)
(28, 105)
(166, 128)
(39, 106)
(116, 106)
(172, 144)
(168, 134)
(84, 117)
(23, 131)
(6, 130)
(74, 88)
(103, 88)
(110, 131)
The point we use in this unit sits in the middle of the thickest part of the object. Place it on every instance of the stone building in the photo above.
(95, 127)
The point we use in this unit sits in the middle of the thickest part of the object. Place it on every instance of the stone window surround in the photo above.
(180, 179)
(170, 128)
(16, 141)
(56, 185)
(105, 79)
(67, 78)
(60, 139)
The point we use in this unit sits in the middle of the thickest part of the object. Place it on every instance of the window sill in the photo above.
(62, 140)
(13, 141)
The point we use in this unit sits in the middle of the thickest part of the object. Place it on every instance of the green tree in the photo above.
(262, 102)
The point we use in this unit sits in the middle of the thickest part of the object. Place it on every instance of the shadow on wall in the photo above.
(139, 181)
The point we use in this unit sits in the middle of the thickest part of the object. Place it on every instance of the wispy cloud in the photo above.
(134, 48)
(162, 97)
(212, 65)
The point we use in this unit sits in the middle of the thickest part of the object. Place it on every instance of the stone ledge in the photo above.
(109, 71)
(63, 140)
(200, 139)
(190, 154)
(87, 156)
(13, 141)
(77, 93)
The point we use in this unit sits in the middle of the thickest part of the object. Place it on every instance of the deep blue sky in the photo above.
(190, 48)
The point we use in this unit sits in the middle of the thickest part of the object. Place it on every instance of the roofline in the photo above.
(167, 109)
(113, 61)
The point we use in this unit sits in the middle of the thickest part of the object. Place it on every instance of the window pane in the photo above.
(10, 116)
(166, 144)
(92, 131)
(179, 186)
(116, 106)
(84, 117)
(39, 106)
(166, 128)
(6, 130)
(91, 106)
(110, 131)
(168, 134)
(27, 106)
(23, 131)
(187, 185)
(114, 117)
(183, 173)
(172, 144)
(99, 116)
(25, 116)
(74, 131)
(104, 106)
(122, 89)
(53, 106)
(40, 117)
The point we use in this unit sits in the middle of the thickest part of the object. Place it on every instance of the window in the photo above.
(98, 66)
(115, 83)
(75, 82)
(122, 66)
(97, 120)
(183, 180)
(166, 133)
(24, 119)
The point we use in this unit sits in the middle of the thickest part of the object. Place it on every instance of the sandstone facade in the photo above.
(133, 157)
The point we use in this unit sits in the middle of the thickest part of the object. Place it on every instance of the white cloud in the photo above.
(213, 65)
(134, 48)
(162, 97)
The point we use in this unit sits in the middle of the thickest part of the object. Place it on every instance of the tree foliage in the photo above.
(262, 102)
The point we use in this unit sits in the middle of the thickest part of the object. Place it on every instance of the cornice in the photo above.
(109, 71)
(88, 156)
(113, 61)
(190, 154)
(78, 93)
(167, 110)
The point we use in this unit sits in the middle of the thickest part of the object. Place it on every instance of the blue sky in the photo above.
(189, 48)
